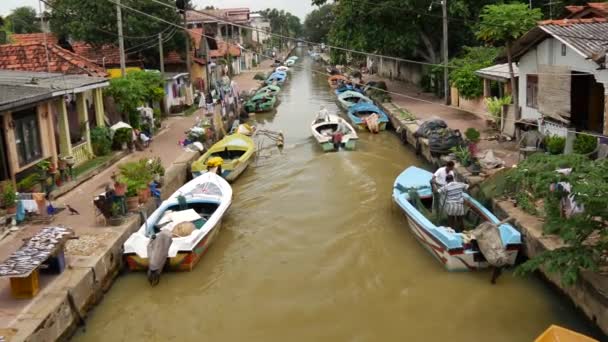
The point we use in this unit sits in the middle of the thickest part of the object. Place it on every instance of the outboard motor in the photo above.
(158, 251)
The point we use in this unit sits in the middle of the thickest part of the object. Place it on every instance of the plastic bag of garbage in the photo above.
(490, 244)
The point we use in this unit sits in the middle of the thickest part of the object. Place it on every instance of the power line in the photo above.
(326, 74)
(222, 20)
(154, 41)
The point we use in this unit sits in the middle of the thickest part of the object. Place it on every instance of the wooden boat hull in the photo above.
(349, 141)
(363, 126)
(556, 333)
(183, 262)
(446, 246)
(230, 174)
(456, 260)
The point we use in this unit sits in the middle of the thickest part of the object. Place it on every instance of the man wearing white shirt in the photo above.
(439, 177)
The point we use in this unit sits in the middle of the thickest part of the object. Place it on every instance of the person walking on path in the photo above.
(453, 202)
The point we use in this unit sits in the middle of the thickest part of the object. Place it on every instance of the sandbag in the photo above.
(490, 244)
(430, 126)
(443, 140)
(184, 229)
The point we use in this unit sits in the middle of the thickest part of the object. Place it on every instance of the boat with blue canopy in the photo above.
(350, 98)
(361, 113)
(456, 251)
(278, 77)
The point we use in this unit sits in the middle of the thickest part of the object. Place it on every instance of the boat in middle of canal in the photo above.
(333, 133)
(193, 215)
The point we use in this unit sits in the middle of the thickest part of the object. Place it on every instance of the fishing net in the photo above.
(435, 215)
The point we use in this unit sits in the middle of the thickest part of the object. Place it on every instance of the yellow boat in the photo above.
(231, 155)
(556, 333)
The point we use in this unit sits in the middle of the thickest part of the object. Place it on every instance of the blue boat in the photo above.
(449, 247)
(359, 113)
(347, 87)
(278, 77)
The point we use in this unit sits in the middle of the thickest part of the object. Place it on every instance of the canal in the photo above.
(313, 250)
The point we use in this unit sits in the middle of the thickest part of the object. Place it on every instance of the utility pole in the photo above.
(121, 42)
(188, 56)
(446, 86)
(162, 57)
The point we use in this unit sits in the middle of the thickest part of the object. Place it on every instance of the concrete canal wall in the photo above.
(60, 307)
(589, 294)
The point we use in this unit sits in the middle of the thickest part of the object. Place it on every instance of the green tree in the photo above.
(23, 20)
(137, 88)
(94, 22)
(462, 74)
(502, 25)
(318, 23)
(282, 23)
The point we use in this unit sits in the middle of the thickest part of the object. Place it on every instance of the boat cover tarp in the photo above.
(490, 244)
(158, 250)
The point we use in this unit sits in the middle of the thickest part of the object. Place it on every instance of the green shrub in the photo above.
(259, 76)
(9, 197)
(472, 135)
(584, 144)
(29, 182)
(495, 105)
(463, 76)
(462, 154)
(136, 175)
(122, 135)
(101, 141)
(555, 144)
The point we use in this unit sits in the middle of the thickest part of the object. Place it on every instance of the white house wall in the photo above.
(549, 53)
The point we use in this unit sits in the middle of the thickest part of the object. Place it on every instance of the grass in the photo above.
(191, 110)
(405, 114)
(90, 165)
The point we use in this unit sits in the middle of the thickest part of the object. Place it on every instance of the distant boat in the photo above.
(290, 62)
(207, 198)
(231, 155)
(448, 247)
(278, 77)
(335, 80)
(347, 87)
(293, 58)
(260, 102)
(270, 90)
(350, 98)
(359, 113)
(556, 333)
(323, 131)
(282, 68)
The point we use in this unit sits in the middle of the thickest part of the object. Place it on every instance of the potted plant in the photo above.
(137, 176)
(117, 218)
(132, 197)
(473, 137)
(29, 183)
(463, 155)
(157, 169)
(9, 198)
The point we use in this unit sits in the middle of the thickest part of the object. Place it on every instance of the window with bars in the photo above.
(532, 91)
(27, 136)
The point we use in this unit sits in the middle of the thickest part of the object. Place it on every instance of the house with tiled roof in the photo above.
(590, 10)
(34, 56)
(35, 119)
(563, 80)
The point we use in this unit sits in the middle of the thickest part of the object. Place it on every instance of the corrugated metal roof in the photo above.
(18, 88)
(498, 72)
(587, 36)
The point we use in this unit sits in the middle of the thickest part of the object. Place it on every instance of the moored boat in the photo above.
(270, 90)
(282, 68)
(334, 132)
(277, 77)
(556, 333)
(231, 155)
(193, 215)
(350, 98)
(290, 62)
(335, 81)
(360, 114)
(260, 102)
(454, 250)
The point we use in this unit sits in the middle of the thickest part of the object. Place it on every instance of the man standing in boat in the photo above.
(438, 181)
(453, 202)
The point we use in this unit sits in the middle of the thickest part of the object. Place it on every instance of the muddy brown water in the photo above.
(313, 250)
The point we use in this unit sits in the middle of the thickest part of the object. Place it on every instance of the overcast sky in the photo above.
(296, 7)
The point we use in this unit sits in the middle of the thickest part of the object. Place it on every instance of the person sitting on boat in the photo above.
(323, 115)
(453, 202)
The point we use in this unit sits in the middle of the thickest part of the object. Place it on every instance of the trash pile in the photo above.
(441, 138)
